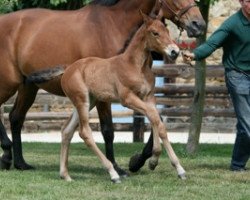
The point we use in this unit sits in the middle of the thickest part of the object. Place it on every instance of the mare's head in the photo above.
(158, 38)
(185, 14)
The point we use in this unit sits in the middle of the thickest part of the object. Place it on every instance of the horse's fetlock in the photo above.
(157, 151)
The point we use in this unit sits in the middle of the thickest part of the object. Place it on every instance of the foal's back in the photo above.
(109, 79)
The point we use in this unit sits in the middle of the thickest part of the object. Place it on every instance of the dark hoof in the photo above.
(4, 164)
(152, 164)
(122, 173)
(136, 163)
(24, 166)
(116, 180)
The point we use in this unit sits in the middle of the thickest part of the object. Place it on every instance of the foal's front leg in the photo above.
(148, 108)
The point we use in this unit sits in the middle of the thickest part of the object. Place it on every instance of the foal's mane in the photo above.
(105, 2)
(128, 40)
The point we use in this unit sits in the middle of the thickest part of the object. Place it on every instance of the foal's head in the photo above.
(158, 38)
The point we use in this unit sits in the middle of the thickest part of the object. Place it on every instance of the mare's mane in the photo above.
(105, 2)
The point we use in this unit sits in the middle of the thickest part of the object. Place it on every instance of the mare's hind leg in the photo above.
(67, 133)
(25, 98)
(104, 112)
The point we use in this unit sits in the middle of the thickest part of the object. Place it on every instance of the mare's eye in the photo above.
(155, 34)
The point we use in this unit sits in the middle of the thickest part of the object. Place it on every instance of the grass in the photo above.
(208, 176)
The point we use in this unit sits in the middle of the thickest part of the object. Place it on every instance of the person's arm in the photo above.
(214, 42)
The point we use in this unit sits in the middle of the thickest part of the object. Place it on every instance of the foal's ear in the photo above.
(160, 14)
(145, 17)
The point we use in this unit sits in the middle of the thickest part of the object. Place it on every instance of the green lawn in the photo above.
(208, 177)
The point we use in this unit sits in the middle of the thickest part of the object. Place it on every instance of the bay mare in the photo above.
(36, 39)
(128, 78)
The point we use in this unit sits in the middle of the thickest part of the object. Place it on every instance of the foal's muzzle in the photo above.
(172, 51)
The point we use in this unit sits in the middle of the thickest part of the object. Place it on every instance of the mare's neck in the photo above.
(146, 6)
(128, 12)
(137, 52)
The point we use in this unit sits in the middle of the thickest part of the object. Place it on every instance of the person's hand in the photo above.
(187, 57)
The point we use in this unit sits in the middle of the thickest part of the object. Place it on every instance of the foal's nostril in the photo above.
(174, 54)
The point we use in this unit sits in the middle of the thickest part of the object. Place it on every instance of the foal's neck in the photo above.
(137, 52)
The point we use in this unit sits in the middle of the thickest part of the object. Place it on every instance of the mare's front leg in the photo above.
(6, 144)
(25, 98)
(104, 112)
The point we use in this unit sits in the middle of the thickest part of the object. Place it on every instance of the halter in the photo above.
(176, 15)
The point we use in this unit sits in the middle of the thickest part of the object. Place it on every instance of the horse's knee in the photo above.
(85, 134)
(162, 131)
(157, 150)
(67, 135)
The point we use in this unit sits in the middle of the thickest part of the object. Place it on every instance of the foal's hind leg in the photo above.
(25, 98)
(67, 133)
(104, 112)
(79, 95)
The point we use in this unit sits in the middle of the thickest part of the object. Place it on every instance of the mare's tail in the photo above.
(45, 75)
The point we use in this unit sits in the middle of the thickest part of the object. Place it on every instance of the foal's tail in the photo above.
(45, 75)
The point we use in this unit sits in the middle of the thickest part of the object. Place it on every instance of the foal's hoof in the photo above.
(116, 180)
(66, 178)
(182, 176)
(152, 164)
(136, 163)
(24, 166)
(4, 164)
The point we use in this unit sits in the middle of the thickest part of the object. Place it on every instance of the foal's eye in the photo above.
(155, 34)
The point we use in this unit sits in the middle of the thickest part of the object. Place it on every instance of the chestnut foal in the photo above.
(127, 78)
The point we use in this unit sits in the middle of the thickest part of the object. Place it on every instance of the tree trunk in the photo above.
(199, 92)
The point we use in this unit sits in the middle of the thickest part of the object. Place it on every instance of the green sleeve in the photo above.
(214, 42)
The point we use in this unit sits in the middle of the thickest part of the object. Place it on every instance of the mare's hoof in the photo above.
(135, 163)
(24, 166)
(116, 180)
(4, 164)
(182, 176)
(122, 173)
(152, 164)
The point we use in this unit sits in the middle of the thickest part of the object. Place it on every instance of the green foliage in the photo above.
(52, 4)
(7, 5)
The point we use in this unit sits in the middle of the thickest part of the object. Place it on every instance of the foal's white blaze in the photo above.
(172, 49)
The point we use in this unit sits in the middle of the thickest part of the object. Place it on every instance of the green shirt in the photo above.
(234, 37)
